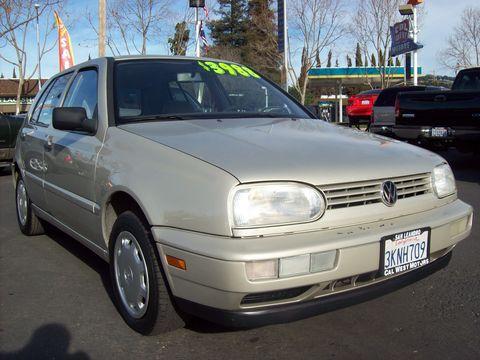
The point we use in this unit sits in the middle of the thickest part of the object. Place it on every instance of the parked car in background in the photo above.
(359, 107)
(211, 192)
(9, 127)
(442, 118)
(383, 113)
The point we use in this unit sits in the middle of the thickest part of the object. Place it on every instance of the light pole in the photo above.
(197, 31)
(37, 6)
(415, 55)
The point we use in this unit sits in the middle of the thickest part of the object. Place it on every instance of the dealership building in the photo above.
(8, 95)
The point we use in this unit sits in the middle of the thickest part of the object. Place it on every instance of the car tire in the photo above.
(28, 222)
(139, 284)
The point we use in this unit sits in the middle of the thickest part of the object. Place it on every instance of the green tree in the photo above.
(365, 63)
(178, 43)
(1, 76)
(261, 48)
(397, 62)
(231, 27)
(14, 75)
(349, 61)
(358, 56)
(381, 58)
(373, 60)
(336, 63)
(329, 58)
(390, 61)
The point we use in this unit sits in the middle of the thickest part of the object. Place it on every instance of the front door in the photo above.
(33, 137)
(71, 157)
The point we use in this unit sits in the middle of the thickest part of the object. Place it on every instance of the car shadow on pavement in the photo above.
(50, 341)
(102, 268)
(84, 254)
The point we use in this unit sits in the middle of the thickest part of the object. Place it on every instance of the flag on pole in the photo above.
(65, 50)
(203, 38)
(206, 12)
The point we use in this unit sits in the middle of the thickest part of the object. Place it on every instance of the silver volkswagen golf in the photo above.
(210, 191)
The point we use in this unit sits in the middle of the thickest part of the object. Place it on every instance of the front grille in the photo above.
(274, 295)
(368, 192)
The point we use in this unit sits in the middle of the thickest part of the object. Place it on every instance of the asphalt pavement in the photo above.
(56, 302)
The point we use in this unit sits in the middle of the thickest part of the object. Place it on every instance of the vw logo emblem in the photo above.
(389, 193)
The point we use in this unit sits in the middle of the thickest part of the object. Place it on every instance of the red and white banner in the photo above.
(65, 50)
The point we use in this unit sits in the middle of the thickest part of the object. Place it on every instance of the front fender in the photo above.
(173, 189)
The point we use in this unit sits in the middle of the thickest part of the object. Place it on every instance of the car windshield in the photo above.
(149, 90)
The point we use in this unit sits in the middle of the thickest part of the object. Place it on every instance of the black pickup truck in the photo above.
(9, 126)
(442, 118)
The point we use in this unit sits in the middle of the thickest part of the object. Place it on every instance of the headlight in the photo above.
(443, 181)
(268, 204)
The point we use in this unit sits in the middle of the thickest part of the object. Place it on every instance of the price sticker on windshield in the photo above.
(222, 68)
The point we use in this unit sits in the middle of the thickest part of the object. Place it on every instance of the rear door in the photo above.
(71, 158)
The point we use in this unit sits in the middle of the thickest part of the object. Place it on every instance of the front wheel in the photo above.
(28, 222)
(140, 288)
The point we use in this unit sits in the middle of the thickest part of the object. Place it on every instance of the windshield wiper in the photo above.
(151, 118)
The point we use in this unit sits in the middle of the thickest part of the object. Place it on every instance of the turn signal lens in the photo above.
(262, 270)
(176, 262)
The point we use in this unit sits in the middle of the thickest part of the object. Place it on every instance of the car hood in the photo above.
(305, 150)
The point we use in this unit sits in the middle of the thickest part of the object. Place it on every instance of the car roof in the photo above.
(370, 92)
(105, 59)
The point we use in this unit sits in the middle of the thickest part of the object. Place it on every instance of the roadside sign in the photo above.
(197, 3)
(401, 40)
(281, 26)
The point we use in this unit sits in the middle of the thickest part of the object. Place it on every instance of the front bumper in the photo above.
(301, 310)
(216, 276)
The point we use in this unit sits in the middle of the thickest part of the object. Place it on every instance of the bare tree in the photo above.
(133, 24)
(16, 17)
(463, 46)
(317, 24)
(371, 28)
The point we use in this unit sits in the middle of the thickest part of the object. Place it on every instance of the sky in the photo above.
(439, 18)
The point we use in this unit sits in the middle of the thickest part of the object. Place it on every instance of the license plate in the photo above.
(404, 251)
(365, 102)
(439, 132)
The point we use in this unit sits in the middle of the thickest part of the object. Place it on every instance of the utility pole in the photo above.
(38, 50)
(101, 27)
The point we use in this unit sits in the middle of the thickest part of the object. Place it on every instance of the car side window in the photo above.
(39, 103)
(52, 100)
(83, 93)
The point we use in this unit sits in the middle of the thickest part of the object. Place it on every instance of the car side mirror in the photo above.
(73, 119)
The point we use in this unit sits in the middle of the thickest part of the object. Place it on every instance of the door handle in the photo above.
(49, 142)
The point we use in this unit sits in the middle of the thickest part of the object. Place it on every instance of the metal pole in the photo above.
(340, 105)
(415, 57)
(286, 50)
(101, 27)
(197, 31)
(38, 49)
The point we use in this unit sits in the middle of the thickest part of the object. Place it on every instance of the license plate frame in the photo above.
(439, 132)
(390, 241)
